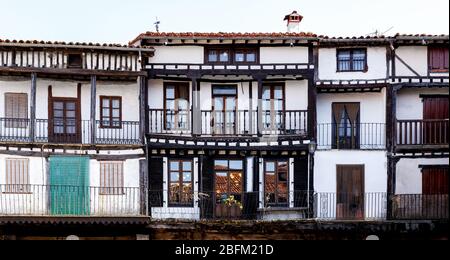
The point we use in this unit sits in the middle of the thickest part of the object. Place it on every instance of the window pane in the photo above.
(278, 92)
(58, 105)
(221, 165)
(251, 57)
(187, 177)
(235, 182)
(174, 166)
(116, 113)
(224, 56)
(116, 103)
(236, 165)
(212, 56)
(221, 182)
(70, 106)
(344, 60)
(170, 105)
(106, 112)
(224, 90)
(270, 166)
(70, 114)
(187, 166)
(266, 93)
(240, 57)
(174, 176)
(105, 102)
(282, 177)
(170, 92)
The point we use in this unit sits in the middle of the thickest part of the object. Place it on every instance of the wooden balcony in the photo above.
(422, 135)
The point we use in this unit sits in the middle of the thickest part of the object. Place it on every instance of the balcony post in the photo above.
(33, 107)
(312, 108)
(392, 179)
(93, 108)
(143, 108)
(260, 80)
(196, 112)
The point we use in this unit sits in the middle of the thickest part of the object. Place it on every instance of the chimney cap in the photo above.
(294, 14)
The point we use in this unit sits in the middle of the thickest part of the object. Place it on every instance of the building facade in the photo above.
(226, 126)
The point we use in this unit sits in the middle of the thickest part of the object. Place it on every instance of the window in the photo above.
(276, 183)
(111, 178)
(74, 61)
(111, 112)
(351, 60)
(228, 181)
(176, 106)
(438, 59)
(273, 106)
(346, 126)
(227, 56)
(16, 110)
(180, 183)
(17, 176)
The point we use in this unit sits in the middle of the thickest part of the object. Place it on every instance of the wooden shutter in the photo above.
(111, 178)
(156, 175)
(435, 108)
(143, 184)
(438, 58)
(435, 181)
(300, 181)
(207, 181)
(16, 107)
(17, 175)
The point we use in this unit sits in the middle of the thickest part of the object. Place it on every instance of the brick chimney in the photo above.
(293, 22)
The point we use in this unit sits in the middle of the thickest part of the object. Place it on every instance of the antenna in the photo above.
(157, 23)
(378, 33)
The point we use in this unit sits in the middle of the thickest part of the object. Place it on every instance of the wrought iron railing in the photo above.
(64, 200)
(68, 131)
(371, 136)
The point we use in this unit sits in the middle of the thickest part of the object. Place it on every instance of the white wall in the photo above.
(375, 169)
(178, 54)
(415, 56)
(409, 103)
(130, 98)
(283, 55)
(409, 175)
(376, 61)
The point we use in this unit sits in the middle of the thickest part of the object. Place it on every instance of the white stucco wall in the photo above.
(415, 56)
(283, 55)
(409, 175)
(376, 62)
(375, 169)
(409, 103)
(178, 54)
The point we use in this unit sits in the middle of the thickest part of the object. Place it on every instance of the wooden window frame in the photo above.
(335, 128)
(76, 66)
(213, 107)
(352, 50)
(13, 188)
(276, 172)
(177, 85)
(232, 55)
(21, 122)
(430, 68)
(111, 125)
(180, 182)
(112, 191)
(272, 98)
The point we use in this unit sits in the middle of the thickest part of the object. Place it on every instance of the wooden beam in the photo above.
(93, 108)
(143, 101)
(33, 107)
(76, 72)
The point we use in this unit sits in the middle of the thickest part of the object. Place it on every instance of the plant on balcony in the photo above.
(232, 202)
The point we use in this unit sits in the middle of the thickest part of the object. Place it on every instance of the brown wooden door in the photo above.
(64, 123)
(435, 192)
(350, 192)
(435, 112)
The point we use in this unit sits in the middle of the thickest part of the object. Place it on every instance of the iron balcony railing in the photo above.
(370, 136)
(229, 123)
(422, 132)
(61, 200)
(420, 206)
(69, 131)
(350, 206)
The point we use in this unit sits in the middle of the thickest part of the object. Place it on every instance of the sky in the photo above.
(119, 21)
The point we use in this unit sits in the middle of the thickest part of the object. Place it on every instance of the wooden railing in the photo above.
(422, 132)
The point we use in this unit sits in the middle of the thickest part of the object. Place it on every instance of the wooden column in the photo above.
(250, 107)
(93, 108)
(260, 81)
(143, 105)
(196, 112)
(392, 176)
(312, 108)
(33, 107)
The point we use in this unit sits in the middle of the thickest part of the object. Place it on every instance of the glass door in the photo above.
(224, 110)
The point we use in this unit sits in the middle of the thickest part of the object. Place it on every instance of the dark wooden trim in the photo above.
(272, 96)
(223, 96)
(436, 166)
(74, 72)
(110, 98)
(289, 192)
(33, 106)
(93, 107)
(176, 86)
(422, 96)
(232, 54)
(351, 50)
(391, 183)
(180, 181)
(312, 109)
